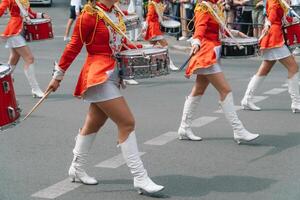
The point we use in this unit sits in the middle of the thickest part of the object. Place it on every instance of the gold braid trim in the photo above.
(88, 9)
(201, 7)
(25, 3)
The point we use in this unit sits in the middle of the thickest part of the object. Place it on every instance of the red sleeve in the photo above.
(151, 15)
(3, 6)
(85, 26)
(31, 13)
(273, 13)
(200, 24)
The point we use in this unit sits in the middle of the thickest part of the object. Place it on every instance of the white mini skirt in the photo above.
(102, 92)
(216, 68)
(276, 53)
(106, 91)
(15, 42)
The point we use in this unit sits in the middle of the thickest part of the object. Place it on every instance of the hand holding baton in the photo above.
(38, 103)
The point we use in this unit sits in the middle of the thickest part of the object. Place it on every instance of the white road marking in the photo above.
(163, 139)
(276, 91)
(236, 109)
(114, 162)
(257, 99)
(56, 190)
(202, 121)
(286, 85)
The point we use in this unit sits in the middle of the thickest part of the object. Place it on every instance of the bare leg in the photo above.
(26, 54)
(226, 101)
(118, 111)
(95, 119)
(293, 78)
(253, 85)
(189, 109)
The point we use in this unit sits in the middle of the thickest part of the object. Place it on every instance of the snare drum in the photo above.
(143, 63)
(132, 22)
(231, 50)
(38, 29)
(292, 34)
(9, 110)
(170, 26)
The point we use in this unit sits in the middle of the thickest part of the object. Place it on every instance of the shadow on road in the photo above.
(279, 143)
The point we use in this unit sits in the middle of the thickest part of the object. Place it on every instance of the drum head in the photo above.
(242, 41)
(4, 69)
(39, 21)
(140, 52)
(170, 24)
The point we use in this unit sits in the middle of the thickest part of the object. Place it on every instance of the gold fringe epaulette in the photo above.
(89, 9)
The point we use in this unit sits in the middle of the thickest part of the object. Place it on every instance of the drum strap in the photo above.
(22, 9)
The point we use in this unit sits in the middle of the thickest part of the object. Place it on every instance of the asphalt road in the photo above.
(36, 154)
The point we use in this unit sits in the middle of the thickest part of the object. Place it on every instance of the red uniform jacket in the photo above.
(274, 37)
(95, 34)
(15, 24)
(207, 32)
(152, 20)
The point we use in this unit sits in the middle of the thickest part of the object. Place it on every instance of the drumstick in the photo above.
(119, 9)
(38, 103)
(186, 62)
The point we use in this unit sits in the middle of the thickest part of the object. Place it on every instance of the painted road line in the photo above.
(286, 85)
(202, 121)
(257, 99)
(114, 162)
(237, 108)
(57, 189)
(162, 139)
(275, 91)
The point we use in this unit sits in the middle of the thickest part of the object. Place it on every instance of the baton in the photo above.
(38, 103)
(186, 62)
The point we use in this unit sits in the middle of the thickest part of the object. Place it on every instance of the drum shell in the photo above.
(132, 23)
(9, 110)
(230, 50)
(141, 67)
(41, 30)
(292, 35)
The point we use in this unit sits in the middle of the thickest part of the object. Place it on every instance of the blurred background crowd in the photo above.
(244, 15)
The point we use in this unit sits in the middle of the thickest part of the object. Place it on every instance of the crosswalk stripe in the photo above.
(114, 162)
(56, 190)
(275, 91)
(162, 139)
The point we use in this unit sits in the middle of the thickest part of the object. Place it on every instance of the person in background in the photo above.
(75, 8)
(258, 18)
(273, 49)
(15, 41)
(296, 6)
(151, 29)
(246, 17)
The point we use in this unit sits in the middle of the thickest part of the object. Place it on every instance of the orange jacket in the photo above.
(274, 37)
(95, 34)
(15, 24)
(152, 20)
(207, 32)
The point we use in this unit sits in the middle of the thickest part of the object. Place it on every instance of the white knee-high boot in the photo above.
(294, 92)
(172, 65)
(189, 109)
(35, 88)
(141, 180)
(247, 101)
(82, 147)
(239, 131)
